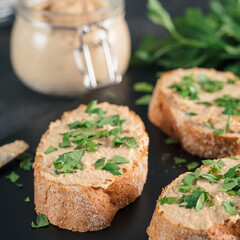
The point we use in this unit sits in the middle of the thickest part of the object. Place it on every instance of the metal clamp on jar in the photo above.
(66, 47)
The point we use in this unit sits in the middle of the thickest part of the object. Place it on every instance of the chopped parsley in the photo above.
(50, 149)
(230, 81)
(99, 164)
(144, 100)
(209, 85)
(69, 161)
(13, 177)
(208, 125)
(230, 207)
(190, 178)
(168, 200)
(192, 165)
(204, 103)
(65, 142)
(143, 87)
(210, 178)
(178, 160)
(27, 199)
(192, 114)
(171, 140)
(91, 106)
(113, 169)
(118, 160)
(231, 104)
(41, 221)
(110, 95)
(187, 87)
(222, 131)
(26, 161)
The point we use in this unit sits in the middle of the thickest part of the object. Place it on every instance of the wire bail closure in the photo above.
(89, 78)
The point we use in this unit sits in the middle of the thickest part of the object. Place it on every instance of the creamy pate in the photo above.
(89, 176)
(207, 216)
(212, 114)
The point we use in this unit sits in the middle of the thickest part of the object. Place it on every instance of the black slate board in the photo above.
(129, 223)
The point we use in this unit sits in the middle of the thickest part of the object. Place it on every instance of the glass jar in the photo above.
(68, 51)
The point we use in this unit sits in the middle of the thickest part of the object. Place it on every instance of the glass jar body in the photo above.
(43, 57)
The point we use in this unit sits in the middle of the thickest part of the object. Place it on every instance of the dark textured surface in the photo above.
(19, 106)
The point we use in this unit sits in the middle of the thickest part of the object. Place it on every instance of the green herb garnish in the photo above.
(204, 103)
(229, 207)
(50, 149)
(192, 165)
(189, 179)
(113, 169)
(171, 140)
(208, 125)
(27, 199)
(143, 87)
(209, 85)
(91, 106)
(178, 160)
(26, 161)
(187, 87)
(211, 204)
(168, 200)
(13, 177)
(42, 221)
(69, 161)
(210, 178)
(144, 100)
(65, 142)
(110, 95)
(192, 114)
(99, 164)
(230, 81)
(118, 160)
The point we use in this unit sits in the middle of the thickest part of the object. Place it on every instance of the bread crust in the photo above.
(161, 228)
(193, 138)
(84, 209)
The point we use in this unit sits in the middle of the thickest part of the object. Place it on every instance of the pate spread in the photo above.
(207, 216)
(89, 176)
(212, 114)
(43, 57)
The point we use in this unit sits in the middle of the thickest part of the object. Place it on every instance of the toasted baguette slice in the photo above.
(88, 199)
(171, 220)
(201, 126)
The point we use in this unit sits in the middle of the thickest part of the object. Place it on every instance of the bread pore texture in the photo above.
(89, 164)
(201, 108)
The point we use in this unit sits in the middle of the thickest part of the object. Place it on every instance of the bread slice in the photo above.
(88, 199)
(210, 220)
(203, 128)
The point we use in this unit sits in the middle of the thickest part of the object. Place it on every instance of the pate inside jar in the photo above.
(64, 47)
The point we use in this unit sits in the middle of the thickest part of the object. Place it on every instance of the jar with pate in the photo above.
(65, 47)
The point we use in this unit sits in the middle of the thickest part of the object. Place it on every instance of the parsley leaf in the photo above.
(27, 199)
(204, 103)
(69, 161)
(118, 160)
(231, 104)
(65, 142)
(187, 87)
(97, 111)
(192, 165)
(42, 221)
(91, 106)
(200, 202)
(111, 120)
(50, 149)
(210, 178)
(112, 169)
(168, 200)
(186, 188)
(110, 95)
(171, 140)
(191, 177)
(99, 164)
(143, 87)
(13, 177)
(192, 114)
(178, 160)
(229, 184)
(26, 161)
(209, 85)
(144, 100)
(208, 125)
(229, 207)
